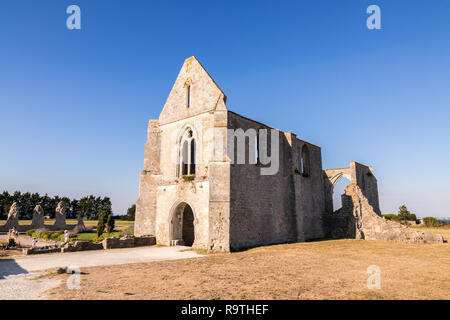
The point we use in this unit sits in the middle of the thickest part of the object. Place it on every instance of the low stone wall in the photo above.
(111, 243)
(114, 243)
(144, 241)
(82, 246)
(39, 250)
(358, 220)
(128, 242)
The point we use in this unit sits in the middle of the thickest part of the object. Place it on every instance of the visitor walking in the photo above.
(34, 243)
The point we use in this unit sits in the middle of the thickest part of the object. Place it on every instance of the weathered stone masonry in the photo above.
(191, 187)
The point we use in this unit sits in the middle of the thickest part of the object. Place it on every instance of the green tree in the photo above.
(431, 222)
(391, 216)
(110, 223)
(101, 224)
(405, 215)
(5, 204)
(131, 213)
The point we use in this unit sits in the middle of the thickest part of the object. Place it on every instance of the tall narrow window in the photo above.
(188, 96)
(304, 162)
(187, 154)
(192, 162)
(257, 147)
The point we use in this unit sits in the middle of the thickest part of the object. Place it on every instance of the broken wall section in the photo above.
(357, 219)
(358, 174)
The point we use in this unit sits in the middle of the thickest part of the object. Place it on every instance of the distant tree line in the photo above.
(405, 215)
(87, 207)
(402, 216)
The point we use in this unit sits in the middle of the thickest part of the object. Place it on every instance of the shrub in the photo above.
(431, 222)
(46, 234)
(37, 234)
(30, 232)
(390, 216)
(98, 239)
(56, 235)
(110, 224)
(102, 222)
(189, 178)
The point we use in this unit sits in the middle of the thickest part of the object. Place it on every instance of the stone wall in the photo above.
(284, 207)
(60, 216)
(234, 205)
(13, 217)
(161, 190)
(38, 220)
(111, 243)
(357, 219)
(82, 246)
(358, 174)
(128, 242)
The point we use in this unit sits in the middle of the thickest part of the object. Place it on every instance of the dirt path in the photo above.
(17, 273)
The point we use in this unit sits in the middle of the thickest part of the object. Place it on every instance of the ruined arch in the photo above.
(340, 183)
(182, 224)
(358, 174)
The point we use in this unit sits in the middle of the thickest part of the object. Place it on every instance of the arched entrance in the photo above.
(188, 226)
(182, 225)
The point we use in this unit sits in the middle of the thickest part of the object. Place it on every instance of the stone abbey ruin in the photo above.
(194, 192)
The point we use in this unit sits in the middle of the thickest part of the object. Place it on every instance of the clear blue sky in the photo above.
(75, 104)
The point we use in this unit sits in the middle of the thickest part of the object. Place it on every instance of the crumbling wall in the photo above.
(13, 217)
(38, 218)
(60, 216)
(357, 219)
(358, 174)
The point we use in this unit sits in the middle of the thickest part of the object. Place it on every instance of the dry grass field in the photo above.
(333, 269)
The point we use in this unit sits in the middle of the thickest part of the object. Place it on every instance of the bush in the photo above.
(110, 224)
(98, 239)
(189, 178)
(30, 232)
(431, 222)
(37, 234)
(390, 216)
(46, 234)
(102, 222)
(405, 215)
(56, 235)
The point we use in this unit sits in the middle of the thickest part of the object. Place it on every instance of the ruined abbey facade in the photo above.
(193, 190)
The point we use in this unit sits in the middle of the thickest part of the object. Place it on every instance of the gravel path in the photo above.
(24, 286)
(16, 279)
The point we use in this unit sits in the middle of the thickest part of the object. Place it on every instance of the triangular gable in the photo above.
(205, 94)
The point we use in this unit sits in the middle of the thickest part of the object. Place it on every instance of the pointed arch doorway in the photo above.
(182, 225)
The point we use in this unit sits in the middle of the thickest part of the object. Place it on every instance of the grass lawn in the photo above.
(332, 269)
(92, 235)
